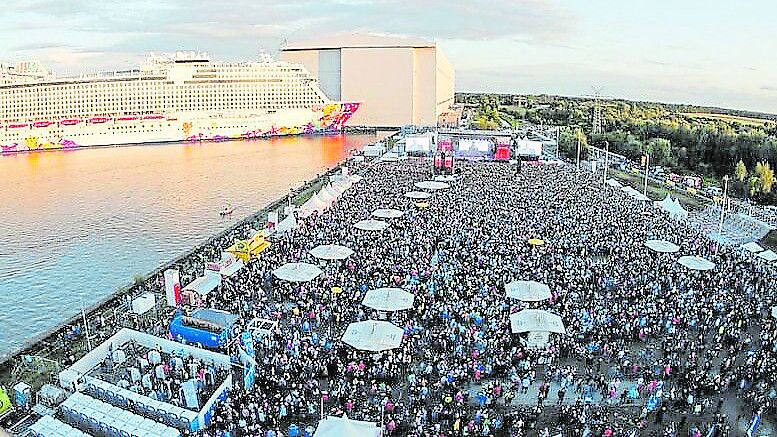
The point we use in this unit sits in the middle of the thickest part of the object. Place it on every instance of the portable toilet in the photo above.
(22, 395)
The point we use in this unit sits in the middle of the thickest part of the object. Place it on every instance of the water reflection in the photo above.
(78, 224)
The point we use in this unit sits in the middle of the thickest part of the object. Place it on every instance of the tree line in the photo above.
(686, 139)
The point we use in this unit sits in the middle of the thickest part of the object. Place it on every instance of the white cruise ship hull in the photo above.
(109, 131)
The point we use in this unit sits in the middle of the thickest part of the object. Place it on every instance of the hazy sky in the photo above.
(711, 52)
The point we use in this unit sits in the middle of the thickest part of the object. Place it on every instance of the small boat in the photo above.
(227, 211)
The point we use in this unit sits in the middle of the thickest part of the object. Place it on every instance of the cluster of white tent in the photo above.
(691, 262)
(673, 208)
(327, 195)
(759, 252)
(538, 323)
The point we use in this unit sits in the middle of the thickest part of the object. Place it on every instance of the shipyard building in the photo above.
(399, 81)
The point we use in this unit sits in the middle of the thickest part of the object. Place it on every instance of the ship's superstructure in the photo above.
(185, 97)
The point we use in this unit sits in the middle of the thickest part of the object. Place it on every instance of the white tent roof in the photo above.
(752, 247)
(662, 246)
(334, 426)
(356, 178)
(774, 312)
(634, 193)
(373, 335)
(432, 185)
(388, 299)
(696, 263)
(313, 204)
(331, 251)
(287, 224)
(614, 183)
(297, 272)
(418, 194)
(325, 196)
(204, 284)
(536, 320)
(387, 213)
(528, 291)
(768, 256)
(673, 207)
(230, 264)
(445, 178)
(371, 225)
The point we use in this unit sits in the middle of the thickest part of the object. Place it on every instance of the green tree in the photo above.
(660, 150)
(765, 175)
(740, 171)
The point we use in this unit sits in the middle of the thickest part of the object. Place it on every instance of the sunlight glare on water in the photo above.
(78, 224)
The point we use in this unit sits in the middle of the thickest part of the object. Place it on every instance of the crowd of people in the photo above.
(652, 348)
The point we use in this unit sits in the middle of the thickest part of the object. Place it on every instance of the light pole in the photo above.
(577, 166)
(647, 168)
(723, 204)
(606, 159)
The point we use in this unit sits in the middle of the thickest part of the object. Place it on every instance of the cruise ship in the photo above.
(170, 98)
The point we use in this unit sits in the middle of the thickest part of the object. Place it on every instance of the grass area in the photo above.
(656, 191)
(723, 117)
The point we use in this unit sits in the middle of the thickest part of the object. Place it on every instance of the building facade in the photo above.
(399, 81)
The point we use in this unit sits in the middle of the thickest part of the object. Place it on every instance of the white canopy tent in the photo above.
(696, 263)
(331, 251)
(752, 247)
(528, 291)
(662, 246)
(445, 178)
(536, 320)
(204, 284)
(614, 183)
(325, 196)
(672, 207)
(312, 205)
(388, 299)
(418, 194)
(287, 224)
(334, 426)
(356, 178)
(373, 335)
(388, 213)
(371, 225)
(768, 256)
(432, 185)
(297, 272)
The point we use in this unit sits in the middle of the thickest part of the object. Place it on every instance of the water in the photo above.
(76, 225)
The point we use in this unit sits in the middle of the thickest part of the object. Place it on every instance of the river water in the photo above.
(76, 225)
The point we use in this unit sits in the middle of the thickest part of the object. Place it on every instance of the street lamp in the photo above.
(606, 159)
(577, 166)
(647, 168)
(723, 204)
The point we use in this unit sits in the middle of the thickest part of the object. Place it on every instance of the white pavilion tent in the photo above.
(331, 251)
(373, 335)
(662, 246)
(371, 225)
(536, 320)
(334, 426)
(388, 299)
(387, 213)
(297, 272)
(696, 263)
(528, 291)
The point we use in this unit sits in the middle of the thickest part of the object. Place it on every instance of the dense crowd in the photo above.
(653, 348)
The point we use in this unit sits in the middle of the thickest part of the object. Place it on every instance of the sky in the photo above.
(683, 51)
